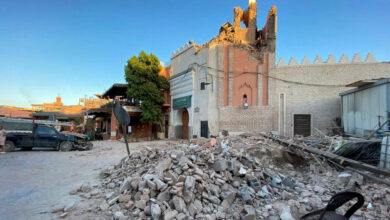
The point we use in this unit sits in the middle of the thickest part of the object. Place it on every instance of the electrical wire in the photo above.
(237, 74)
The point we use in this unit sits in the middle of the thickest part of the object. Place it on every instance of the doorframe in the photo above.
(311, 122)
(207, 136)
(188, 123)
(284, 114)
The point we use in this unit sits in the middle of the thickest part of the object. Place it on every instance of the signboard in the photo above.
(182, 102)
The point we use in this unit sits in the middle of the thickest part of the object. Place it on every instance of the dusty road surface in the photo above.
(33, 183)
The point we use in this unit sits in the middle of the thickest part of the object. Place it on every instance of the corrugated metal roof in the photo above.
(365, 85)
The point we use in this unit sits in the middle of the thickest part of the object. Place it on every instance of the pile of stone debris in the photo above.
(235, 177)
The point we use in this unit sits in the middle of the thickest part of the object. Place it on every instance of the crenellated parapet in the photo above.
(183, 48)
(344, 59)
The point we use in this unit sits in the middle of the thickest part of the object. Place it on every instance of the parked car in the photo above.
(44, 136)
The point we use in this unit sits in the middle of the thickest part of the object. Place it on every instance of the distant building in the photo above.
(83, 105)
(15, 112)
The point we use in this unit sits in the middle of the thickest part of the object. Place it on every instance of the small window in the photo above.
(202, 86)
(245, 98)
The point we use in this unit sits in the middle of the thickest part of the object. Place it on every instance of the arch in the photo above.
(245, 90)
(182, 120)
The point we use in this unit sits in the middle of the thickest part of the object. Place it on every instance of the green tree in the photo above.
(146, 86)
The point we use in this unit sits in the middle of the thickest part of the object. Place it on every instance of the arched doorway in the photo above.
(185, 118)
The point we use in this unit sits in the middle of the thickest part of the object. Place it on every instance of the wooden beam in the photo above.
(339, 159)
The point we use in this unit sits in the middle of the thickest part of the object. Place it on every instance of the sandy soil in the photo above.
(33, 183)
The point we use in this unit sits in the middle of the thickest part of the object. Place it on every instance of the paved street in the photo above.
(32, 183)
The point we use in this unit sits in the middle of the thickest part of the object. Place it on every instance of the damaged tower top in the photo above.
(234, 34)
(249, 17)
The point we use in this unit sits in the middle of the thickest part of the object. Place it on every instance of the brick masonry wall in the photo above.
(323, 103)
(252, 119)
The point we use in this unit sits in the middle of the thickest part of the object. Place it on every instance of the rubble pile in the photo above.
(235, 177)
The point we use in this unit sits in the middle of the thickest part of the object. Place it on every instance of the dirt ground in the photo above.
(33, 183)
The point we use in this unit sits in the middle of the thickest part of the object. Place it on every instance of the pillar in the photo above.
(113, 126)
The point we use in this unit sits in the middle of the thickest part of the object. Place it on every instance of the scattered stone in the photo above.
(104, 206)
(179, 203)
(288, 181)
(95, 192)
(242, 171)
(111, 185)
(343, 179)
(70, 206)
(63, 215)
(156, 211)
(244, 193)
(164, 196)
(119, 215)
(189, 183)
(284, 211)
(249, 213)
(124, 198)
(240, 178)
(171, 215)
(181, 216)
(152, 185)
(125, 185)
(113, 201)
(85, 188)
(254, 183)
(220, 165)
(141, 204)
(149, 177)
(229, 197)
(148, 210)
(110, 195)
(160, 184)
(214, 200)
(73, 192)
(58, 209)
(192, 209)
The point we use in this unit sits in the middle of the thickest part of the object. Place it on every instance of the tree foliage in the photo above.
(145, 85)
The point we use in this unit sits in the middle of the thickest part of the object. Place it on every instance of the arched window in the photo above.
(245, 101)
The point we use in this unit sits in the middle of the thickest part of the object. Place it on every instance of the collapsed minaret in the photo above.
(263, 40)
(249, 17)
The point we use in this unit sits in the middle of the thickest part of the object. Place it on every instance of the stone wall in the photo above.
(252, 119)
(323, 103)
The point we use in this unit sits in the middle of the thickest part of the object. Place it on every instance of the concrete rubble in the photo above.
(238, 177)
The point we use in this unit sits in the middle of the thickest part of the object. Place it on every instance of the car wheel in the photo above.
(9, 146)
(66, 146)
(27, 148)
